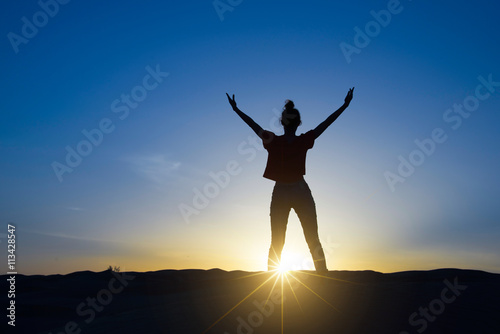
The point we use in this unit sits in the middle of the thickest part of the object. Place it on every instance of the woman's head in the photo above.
(290, 117)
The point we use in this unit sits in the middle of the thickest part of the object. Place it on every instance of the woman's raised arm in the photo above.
(251, 123)
(327, 122)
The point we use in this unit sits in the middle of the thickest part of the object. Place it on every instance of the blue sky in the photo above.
(120, 204)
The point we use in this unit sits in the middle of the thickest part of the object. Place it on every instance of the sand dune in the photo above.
(216, 301)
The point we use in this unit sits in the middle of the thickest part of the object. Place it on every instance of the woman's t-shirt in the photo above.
(286, 162)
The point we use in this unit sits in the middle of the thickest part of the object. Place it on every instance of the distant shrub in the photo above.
(115, 269)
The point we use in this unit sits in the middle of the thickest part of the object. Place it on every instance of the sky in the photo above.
(119, 146)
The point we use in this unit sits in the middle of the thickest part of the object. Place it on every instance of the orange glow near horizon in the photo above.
(250, 255)
(380, 261)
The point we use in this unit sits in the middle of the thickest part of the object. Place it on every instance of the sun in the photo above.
(294, 261)
(282, 269)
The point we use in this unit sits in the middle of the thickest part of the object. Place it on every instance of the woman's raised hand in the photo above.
(348, 97)
(232, 102)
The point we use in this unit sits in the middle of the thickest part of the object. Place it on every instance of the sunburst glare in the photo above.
(284, 279)
(294, 261)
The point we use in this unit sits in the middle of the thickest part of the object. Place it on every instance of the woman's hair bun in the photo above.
(289, 105)
(290, 116)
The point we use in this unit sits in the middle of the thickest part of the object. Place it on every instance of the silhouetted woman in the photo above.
(286, 165)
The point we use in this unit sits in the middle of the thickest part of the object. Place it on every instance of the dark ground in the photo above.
(194, 301)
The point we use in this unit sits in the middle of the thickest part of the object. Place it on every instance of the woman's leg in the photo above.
(280, 209)
(306, 211)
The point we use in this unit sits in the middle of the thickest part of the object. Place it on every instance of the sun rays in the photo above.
(284, 286)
